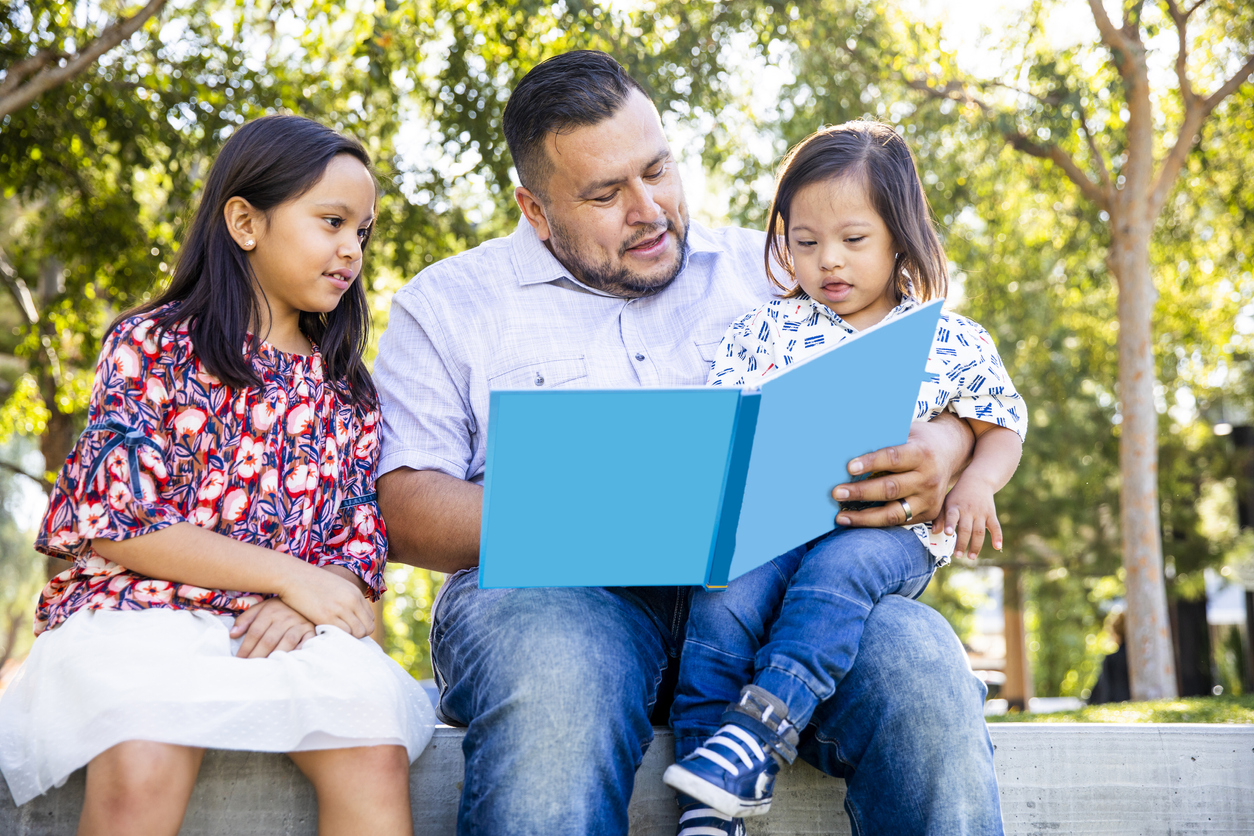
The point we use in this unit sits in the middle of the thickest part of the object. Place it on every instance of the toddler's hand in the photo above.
(269, 626)
(969, 511)
(325, 598)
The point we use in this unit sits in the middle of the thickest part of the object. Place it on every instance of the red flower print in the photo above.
(126, 362)
(297, 481)
(248, 458)
(212, 486)
(299, 419)
(366, 445)
(363, 521)
(92, 520)
(190, 421)
(360, 548)
(154, 390)
(119, 496)
(235, 505)
(264, 415)
(203, 516)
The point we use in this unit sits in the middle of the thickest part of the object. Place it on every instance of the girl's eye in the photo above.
(363, 234)
(805, 244)
(335, 222)
(856, 239)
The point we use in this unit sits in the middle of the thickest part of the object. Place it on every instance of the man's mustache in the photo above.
(651, 232)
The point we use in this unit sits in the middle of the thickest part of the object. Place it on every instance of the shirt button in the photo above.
(539, 380)
(639, 356)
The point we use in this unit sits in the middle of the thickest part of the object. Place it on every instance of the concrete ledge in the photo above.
(1055, 778)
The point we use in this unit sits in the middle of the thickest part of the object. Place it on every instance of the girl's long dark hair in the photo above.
(873, 153)
(267, 162)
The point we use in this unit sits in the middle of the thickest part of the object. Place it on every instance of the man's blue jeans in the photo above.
(792, 626)
(557, 686)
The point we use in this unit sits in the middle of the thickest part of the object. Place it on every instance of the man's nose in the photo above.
(644, 209)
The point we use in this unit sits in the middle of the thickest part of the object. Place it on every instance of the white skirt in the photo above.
(171, 676)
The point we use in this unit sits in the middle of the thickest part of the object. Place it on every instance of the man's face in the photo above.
(613, 211)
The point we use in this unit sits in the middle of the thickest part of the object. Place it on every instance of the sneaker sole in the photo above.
(702, 790)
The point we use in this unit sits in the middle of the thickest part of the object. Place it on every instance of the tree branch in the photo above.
(21, 293)
(47, 78)
(1102, 170)
(1093, 191)
(1112, 37)
(1194, 116)
(956, 91)
(1181, 20)
(12, 468)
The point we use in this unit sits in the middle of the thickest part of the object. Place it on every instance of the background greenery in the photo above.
(98, 175)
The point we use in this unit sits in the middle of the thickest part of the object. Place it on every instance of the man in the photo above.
(607, 283)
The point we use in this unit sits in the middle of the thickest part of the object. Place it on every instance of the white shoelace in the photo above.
(702, 830)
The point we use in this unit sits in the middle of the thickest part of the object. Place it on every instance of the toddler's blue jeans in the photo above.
(557, 688)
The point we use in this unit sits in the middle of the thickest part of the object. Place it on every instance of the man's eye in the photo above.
(656, 175)
(604, 198)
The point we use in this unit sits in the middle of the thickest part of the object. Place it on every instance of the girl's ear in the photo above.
(243, 222)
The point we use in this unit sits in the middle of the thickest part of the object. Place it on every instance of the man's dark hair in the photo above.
(572, 90)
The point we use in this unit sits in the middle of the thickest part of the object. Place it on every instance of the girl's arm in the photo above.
(970, 508)
(185, 553)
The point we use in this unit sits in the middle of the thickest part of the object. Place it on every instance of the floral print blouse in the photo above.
(288, 465)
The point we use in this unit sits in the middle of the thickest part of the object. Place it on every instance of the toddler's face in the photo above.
(842, 252)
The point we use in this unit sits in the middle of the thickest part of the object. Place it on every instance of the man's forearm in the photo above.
(432, 519)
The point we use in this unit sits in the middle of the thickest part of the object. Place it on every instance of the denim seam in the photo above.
(792, 675)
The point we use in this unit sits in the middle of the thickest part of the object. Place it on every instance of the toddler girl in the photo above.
(220, 514)
(851, 226)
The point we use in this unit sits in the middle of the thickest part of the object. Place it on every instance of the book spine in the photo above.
(735, 477)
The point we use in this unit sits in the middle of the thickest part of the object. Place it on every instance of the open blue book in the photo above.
(689, 486)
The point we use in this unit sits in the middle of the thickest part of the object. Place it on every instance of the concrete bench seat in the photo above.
(1054, 778)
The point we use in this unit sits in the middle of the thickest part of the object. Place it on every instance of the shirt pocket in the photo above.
(541, 374)
(707, 351)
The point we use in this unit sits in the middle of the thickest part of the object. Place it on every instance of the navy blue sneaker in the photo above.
(696, 819)
(734, 771)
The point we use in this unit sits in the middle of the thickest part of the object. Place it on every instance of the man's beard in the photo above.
(616, 280)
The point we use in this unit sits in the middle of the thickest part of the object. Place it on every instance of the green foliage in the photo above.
(407, 617)
(1223, 709)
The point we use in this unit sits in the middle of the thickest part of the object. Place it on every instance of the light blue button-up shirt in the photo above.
(508, 315)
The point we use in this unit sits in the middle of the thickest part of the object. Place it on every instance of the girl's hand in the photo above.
(969, 510)
(326, 598)
(269, 626)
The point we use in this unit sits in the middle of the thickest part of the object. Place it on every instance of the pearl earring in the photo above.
(249, 244)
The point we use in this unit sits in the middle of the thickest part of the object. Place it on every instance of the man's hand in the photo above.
(269, 626)
(919, 471)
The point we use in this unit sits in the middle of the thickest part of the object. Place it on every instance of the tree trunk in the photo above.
(1150, 663)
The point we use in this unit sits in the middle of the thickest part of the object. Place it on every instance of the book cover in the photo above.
(692, 485)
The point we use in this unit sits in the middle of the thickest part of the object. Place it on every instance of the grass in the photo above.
(1223, 709)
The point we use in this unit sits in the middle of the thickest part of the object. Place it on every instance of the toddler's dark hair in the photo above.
(874, 154)
(268, 161)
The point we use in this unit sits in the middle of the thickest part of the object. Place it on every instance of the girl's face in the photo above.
(308, 250)
(842, 252)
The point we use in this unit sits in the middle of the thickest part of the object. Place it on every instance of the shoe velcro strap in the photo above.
(783, 747)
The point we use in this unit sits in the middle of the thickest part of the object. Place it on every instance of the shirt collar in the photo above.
(907, 303)
(536, 264)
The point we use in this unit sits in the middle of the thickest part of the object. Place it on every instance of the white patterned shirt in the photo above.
(964, 373)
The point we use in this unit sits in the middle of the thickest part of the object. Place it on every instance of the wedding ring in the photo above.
(905, 506)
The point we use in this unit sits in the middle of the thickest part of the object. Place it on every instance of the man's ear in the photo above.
(244, 223)
(533, 211)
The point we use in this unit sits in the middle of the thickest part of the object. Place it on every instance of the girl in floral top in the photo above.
(220, 514)
(851, 227)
